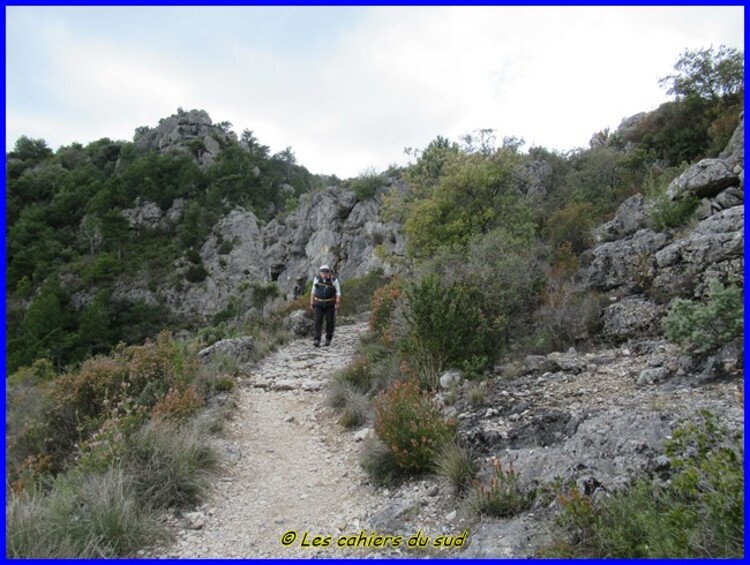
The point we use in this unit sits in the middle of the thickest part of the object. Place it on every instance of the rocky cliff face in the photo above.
(330, 227)
(642, 270)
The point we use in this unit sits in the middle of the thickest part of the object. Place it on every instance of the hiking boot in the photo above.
(316, 343)
(328, 342)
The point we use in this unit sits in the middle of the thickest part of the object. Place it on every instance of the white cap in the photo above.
(325, 268)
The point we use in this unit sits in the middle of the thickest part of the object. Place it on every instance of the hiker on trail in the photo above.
(324, 301)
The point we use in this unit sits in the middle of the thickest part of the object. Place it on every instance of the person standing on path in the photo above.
(324, 301)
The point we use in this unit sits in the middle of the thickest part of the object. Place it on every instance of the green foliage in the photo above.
(450, 325)
(464, 311)
(571, 226)
(704, 327)
(409, 423)
(366, 184)
(474, 196)
(196, 273)
(602, 177)
(103, 268)
(225, 248)
(503, 495)
(664, 213)
(426, 172)
(356, 294)
(65, 218)
(709, 74)
(667, 213)
(697, 513)
(263, 293)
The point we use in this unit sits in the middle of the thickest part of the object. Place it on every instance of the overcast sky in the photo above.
(348, 88)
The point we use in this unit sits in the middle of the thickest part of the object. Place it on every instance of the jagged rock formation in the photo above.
(643, 270)
(190, 132)
(330, 227)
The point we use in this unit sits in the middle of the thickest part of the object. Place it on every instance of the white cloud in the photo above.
(395, 77)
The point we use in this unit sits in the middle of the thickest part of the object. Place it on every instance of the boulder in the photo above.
(632, 317)
(450, 378)
(621, 266)
(299, 323)
(533, 178)
(713, 249)
(705, 179)
(178, 133)
(145, 214)
(238, 348)
(631, 216)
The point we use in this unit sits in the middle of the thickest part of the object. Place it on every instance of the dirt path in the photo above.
(294, 470)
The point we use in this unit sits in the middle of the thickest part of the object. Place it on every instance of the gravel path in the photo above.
(295, 469)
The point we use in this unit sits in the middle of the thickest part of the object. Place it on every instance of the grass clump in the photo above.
(170, 464)
(477, 394)
(355, 411)
(379, 463)
(81, 515)
(456, 465)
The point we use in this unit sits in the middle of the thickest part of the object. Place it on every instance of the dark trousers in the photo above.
(327, 311)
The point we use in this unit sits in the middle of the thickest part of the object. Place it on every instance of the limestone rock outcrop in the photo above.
(190, 132)
(643, 270)
(330, 227)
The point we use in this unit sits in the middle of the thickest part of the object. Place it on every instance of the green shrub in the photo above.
(667, 213)
(410, 424)
(225, 248)
(503, 495)
(571, 225)
(196, 273)
(703, 327)
(170, 464)
(448, 326)
(357, 293)
(105, 267)
(193, 256)
(366, 184)
(456, 465)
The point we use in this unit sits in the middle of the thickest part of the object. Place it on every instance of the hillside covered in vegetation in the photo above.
(481, 258)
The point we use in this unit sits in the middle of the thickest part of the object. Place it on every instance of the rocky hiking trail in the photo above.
(595, 418)
(287, 465)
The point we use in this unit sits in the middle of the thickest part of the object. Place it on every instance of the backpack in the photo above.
(323, 289)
